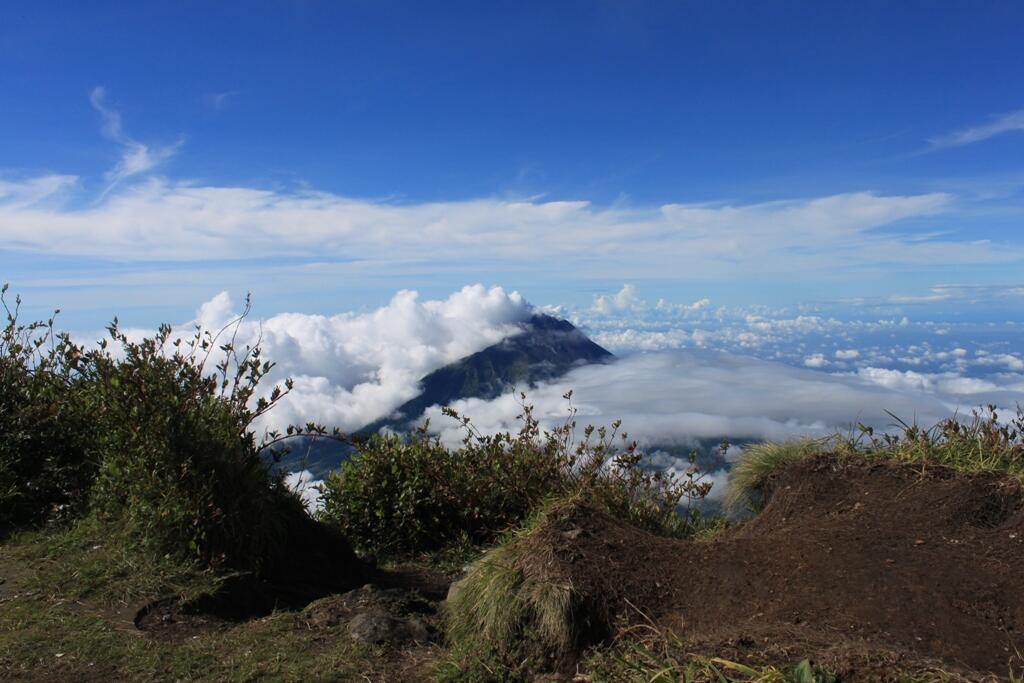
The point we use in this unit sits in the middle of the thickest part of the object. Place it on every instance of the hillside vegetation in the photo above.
(146, 536)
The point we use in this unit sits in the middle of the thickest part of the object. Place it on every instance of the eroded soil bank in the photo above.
(862, 566)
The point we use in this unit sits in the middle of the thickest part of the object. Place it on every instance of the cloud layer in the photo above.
(674, 397)
(173, 221)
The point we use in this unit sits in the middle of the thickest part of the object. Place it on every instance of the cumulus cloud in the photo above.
(353, 368)
(136, 157)
(181, 221)
(816, 360)
(1011, 360)
(999, 125)
(625, 300)
(685, 309)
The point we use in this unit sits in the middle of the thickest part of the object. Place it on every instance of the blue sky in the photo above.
(859, 157)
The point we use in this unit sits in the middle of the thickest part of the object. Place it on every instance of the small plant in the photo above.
(981, 443)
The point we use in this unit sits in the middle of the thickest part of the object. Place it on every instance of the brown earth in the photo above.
(863, 567)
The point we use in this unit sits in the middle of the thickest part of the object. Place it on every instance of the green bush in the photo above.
(402, 496)
(47, 463)
(179, 467)
(146, 438)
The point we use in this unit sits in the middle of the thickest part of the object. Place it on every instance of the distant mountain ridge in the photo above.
(547, 348)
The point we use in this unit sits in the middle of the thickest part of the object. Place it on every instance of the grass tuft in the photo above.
(509, 614)
(749, 480)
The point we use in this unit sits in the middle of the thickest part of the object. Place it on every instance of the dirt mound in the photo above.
(861, 566)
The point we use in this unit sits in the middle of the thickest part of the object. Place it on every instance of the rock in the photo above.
(375, 626)
(372, 626)
(374, 615)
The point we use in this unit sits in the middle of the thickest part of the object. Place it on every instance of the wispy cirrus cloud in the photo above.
(136, 158)
(999, 125)
(963, 293)
(218, 101)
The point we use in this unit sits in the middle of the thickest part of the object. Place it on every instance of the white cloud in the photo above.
(847, 354)
(816, 360)
(176, 221)
(968, 294)
(19, 195)
(1000, 125)
(638, 340)
(136, 157)
(218, 101)
(353, 368)
(684, 309)
(625, 300)
(1011, 361)
(948, 384)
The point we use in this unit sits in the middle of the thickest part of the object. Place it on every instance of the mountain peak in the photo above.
(547, 348)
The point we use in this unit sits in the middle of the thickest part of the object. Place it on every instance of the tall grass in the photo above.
(981, 443)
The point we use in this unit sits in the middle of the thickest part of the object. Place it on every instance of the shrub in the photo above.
(47, 463)
(180, 468)
(156, 445)
(401, 496)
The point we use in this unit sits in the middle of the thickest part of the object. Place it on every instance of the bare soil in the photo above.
(864, 567)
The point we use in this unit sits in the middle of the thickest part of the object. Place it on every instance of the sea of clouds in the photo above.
(684, 373)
